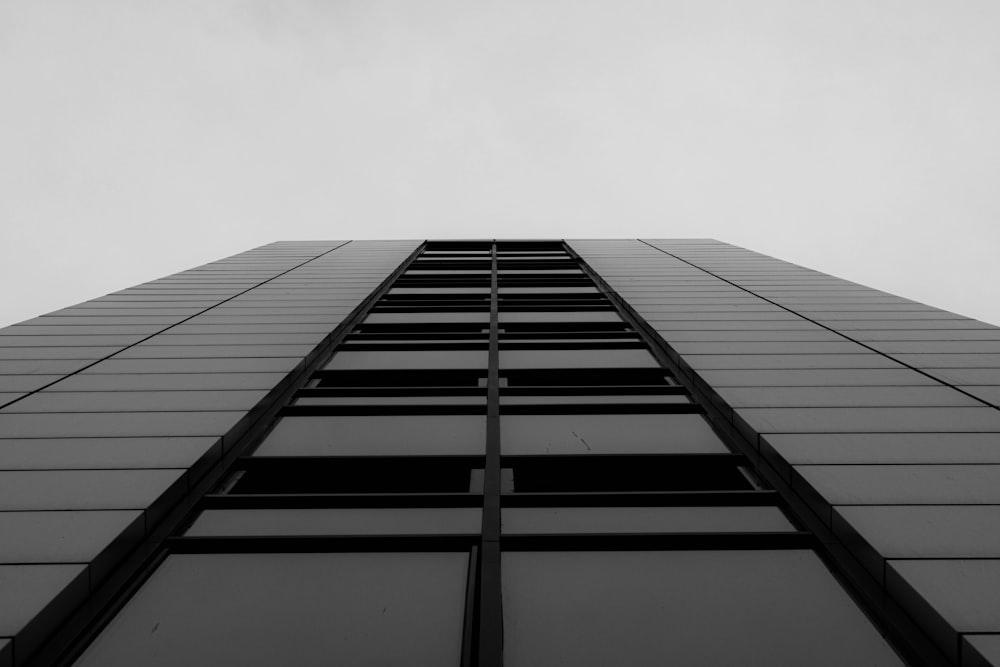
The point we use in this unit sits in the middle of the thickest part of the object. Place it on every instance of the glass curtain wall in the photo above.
(493, 468)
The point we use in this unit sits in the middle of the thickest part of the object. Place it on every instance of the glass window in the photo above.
(332, 475)
(585, 377)
(607, 434)
(410, 341)
(591, 400)
(541, 520)
(399, 379)
(585, 358)
(426, 317)
(547, 271)
(681, 608)
(432, 272)
(392, 400)
(438, 290)
(408, 359)
(564, 340)
(555, 289)
(601, 474)
(339, 521)
(381, 435)
(291, 609)
(559, 316)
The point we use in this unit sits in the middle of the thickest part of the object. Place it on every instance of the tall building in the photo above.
(598, 452)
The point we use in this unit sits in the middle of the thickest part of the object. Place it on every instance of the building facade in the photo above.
(584, 452)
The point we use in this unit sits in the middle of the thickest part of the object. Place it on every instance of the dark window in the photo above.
(602, 474)
(426, 317)
(554, 520)
(291, 609)
(595, 399)
(607, 434)
(358, 475)
(340, 521)
(567, 316)
(548, 290)
(376, 435)
(402, 359)
(681, 608)
(583, 358)
(393, 400)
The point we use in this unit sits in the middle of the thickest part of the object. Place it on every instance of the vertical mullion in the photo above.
(490, 612)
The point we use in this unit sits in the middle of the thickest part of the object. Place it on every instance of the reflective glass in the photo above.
(391, 400)
(584, 358)
(426, 317)
(592, 400)
(407, 359)
(535, 520)
(558, 316)
(607, 434)
(681, 608)
(340, 521)
(376, 435)
(291, 609)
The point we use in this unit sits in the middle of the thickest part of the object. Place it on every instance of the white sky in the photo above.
(141, 137)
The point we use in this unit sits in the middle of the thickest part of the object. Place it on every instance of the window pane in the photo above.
(599, 474)
(396, 521)
(555, 289)
(439, 290)
(681, 608)
(607, 434)
(564, 339)
(291, 609)
(391, 400)
(376, 436)
(408, 359)
(424, 318)
(340, 475)
(536, 520)
(542, 399)
(566, 316)
(586, 358)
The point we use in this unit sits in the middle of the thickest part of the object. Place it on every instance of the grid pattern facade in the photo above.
(117, 409)
(875, 413)
(499, 452)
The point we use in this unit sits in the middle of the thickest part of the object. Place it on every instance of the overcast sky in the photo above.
(859, 137)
